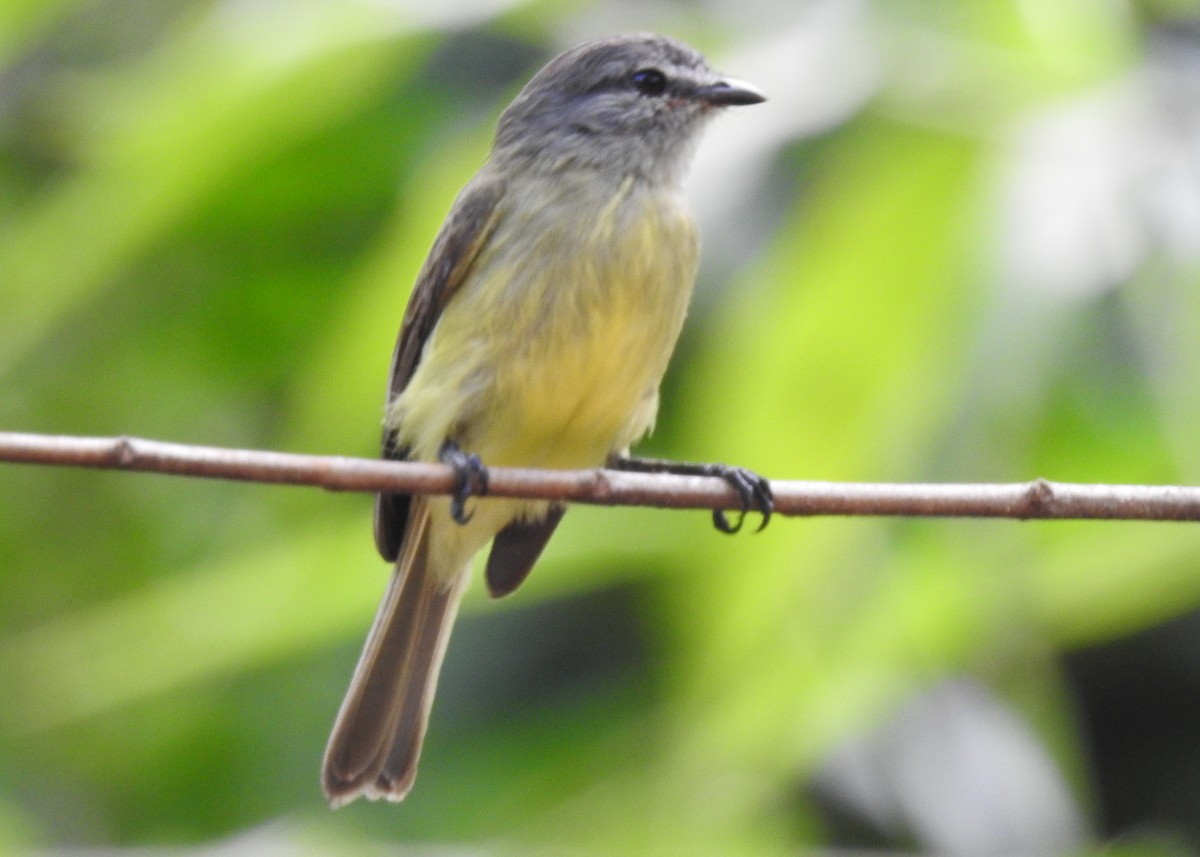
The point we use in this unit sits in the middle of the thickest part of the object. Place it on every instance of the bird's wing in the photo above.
(471, 221)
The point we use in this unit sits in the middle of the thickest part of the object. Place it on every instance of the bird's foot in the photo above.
(470, 479)
(754, 491)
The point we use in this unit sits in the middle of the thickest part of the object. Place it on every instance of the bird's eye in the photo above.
(650, 81)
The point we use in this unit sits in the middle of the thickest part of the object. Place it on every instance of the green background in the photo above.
(957, 244)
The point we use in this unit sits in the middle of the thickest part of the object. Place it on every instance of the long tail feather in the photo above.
(376, 740)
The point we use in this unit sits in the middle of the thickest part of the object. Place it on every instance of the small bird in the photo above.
(537, 335)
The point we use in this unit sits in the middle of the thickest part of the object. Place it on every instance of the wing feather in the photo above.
(470, 223)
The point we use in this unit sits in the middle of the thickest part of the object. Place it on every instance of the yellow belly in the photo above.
(571, 401)
(552, 352)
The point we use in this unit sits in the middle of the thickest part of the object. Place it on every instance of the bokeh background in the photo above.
(960, 242)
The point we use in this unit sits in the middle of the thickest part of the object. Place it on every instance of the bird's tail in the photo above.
(377, 737)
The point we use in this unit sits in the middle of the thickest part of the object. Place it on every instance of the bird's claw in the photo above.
(754, 492)
(470, 478)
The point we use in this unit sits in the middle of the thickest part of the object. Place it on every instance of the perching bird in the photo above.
(537, 335)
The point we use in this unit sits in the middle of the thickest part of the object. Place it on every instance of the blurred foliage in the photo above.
(973, 256)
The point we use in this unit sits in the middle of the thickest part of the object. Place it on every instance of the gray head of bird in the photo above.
(625, 105)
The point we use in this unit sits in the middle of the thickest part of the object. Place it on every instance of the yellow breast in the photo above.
(551, 354)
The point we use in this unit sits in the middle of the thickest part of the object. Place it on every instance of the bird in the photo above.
(536, 335)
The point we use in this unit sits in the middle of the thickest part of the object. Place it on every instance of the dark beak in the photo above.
(729, 93)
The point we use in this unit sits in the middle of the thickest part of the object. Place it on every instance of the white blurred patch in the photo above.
(958, 772)
(1094, 185)
(445, 14)
(816, 72)
(298, 21)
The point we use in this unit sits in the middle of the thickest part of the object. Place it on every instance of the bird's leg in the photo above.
(753, 490)
(470, 477)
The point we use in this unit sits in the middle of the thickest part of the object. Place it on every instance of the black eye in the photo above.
(650, 81)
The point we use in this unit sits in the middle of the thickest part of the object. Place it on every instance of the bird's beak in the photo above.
(729, 92)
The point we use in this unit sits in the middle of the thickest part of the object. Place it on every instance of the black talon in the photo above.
(721, 522)
(754, 492)
(764, 499)
(470, 478)
(734, 479)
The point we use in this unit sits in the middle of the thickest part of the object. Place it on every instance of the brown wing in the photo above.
(470, 222)
(515, 550)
